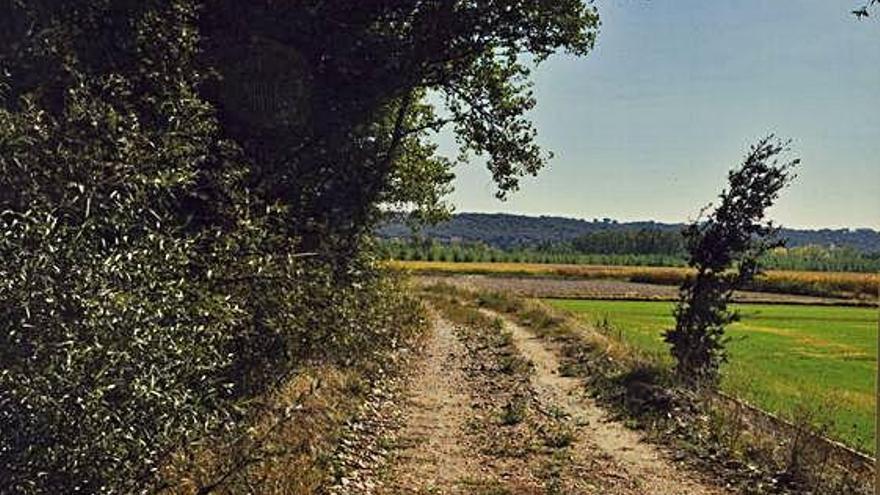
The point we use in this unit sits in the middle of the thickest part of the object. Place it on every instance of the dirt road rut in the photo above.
(454, 417)
(433, 452)
(620, 450)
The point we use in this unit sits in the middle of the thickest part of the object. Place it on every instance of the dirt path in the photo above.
(434, 456)
(601, 444)
(453, 441)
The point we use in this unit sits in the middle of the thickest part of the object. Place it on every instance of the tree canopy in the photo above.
(185, 189)
(351, 77)
(327, 99)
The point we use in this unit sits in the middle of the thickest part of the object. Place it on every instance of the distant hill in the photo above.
(506, 231)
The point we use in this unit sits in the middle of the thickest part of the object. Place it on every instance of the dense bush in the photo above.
(116, 339)
(143, 292)
(184, 192)
(129, 328)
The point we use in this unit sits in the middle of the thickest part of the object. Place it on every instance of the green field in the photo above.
(782, 357)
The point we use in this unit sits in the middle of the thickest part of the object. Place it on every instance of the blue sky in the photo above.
(648, 124)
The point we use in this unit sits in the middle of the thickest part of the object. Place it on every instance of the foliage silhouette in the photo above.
(725, 249)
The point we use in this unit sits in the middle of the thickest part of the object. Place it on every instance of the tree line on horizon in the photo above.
(621, 247)
(506, 231)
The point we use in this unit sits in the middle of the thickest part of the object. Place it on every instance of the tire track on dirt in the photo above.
(604, 450)
(434, 454)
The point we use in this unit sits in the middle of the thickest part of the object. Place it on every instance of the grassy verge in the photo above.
(781, 357)
(286, 443)
(284, 450)
(707, 432)
(821, 284)
(289, 445)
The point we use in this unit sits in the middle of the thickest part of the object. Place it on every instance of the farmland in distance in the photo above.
(856, 286)
(790, 360)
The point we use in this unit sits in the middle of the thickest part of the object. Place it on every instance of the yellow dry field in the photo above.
(799, 282)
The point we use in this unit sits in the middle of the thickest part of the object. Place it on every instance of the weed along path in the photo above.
(600, 442)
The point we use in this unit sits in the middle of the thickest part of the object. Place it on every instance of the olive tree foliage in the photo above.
(116, 344)
(351, 123)
(185, 190)
(145, 292)
(724, 249)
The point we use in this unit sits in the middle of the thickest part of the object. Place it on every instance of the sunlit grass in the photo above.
(782, 357)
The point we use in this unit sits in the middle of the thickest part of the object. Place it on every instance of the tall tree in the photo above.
(331, 97)
(724, 249)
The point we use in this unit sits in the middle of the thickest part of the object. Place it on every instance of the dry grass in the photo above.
(540, 269)
(285, 449)
(793, 282)
(859, 284)
(741, 444)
